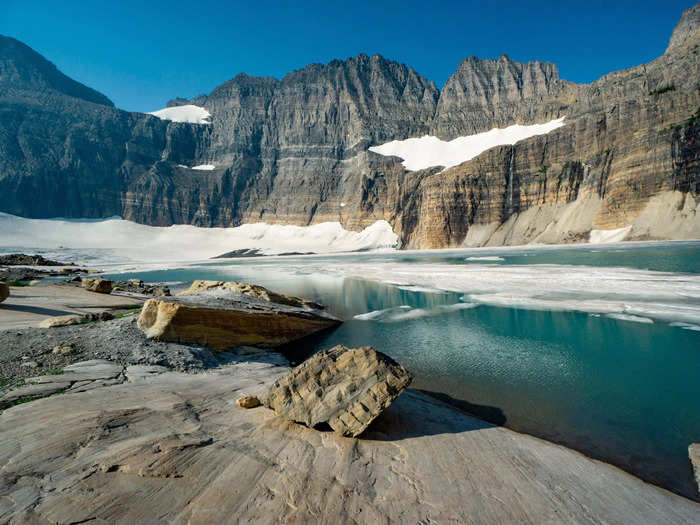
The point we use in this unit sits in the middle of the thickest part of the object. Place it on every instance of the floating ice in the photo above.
(633, 318)
(687, 326)
(407, 313)
(485, 258)
(187, 113)
(658, 296)
(429, 151)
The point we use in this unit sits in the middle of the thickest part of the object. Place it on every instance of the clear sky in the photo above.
(143, 53)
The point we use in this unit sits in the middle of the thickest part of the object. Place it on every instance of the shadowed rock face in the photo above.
(345, 388)
(292, 150)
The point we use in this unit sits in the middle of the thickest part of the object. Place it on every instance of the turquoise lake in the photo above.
(621, 389)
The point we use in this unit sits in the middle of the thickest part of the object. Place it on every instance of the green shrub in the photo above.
(662, 90)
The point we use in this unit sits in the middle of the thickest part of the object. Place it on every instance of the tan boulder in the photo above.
(694, 455)
(97, 285)
(4, 292)
(62, 349)
(346, 388)
(251, 290)
(221, 320)
(63, 320)
(248, 402)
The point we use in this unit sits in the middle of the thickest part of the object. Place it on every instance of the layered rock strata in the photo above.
(222, 319)
(345, 388)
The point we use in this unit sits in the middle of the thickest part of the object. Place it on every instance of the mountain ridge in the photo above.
(292, 150)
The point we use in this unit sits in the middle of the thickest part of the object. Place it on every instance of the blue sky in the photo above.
(141, 54)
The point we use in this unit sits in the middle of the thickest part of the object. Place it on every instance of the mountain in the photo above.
(296, 150)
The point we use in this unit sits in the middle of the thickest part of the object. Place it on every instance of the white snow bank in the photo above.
(204, 167)
(187, 113)
(605, 236)
(429, 151)
(138, 242)
(657, 296)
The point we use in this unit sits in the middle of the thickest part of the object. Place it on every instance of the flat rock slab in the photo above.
(251, 290)
(81, 376)
(84, 371)
(34, 390)
(346, 388)
(28, 306)
(137, 372)
(223, 319)
(177, 449)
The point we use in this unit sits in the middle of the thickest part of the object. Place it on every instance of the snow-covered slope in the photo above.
(129, 240)
(187, 113)
(429, 151)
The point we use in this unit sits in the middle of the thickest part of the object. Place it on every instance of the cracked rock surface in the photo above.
(174, 447)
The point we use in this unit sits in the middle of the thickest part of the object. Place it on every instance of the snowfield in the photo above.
(137, 242)
(428, 151)
(187, 113)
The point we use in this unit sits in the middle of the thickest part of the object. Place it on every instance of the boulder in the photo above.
(63, 349)
(223, 318)
(251, 290)
(345, 388)
(97, 285)
(62, 320)
(4, 292)
(248, 402)
(694, 455)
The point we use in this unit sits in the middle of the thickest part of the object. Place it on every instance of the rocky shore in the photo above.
(97, 414)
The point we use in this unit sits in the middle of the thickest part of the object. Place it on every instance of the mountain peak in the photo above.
(22, 67)
(686, 32)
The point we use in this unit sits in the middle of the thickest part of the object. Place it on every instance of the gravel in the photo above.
(118, 340)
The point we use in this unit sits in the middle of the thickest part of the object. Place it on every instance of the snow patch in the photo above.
(605, 236)
(204, 167)
(428, 151)
(127, 240)
(187, 113)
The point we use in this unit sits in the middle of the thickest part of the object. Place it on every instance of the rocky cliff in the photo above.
(296, 150)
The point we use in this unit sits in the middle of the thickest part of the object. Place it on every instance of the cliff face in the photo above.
(296, 150)
(629, 136)
(483, 94)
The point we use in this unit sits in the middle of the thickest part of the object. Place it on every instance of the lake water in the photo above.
(595, 348)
